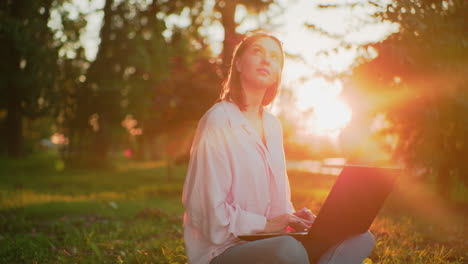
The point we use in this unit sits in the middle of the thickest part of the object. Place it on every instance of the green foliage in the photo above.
(139, 72)
(29, 55)
(28, 69)
(421, 72)
(142, 68)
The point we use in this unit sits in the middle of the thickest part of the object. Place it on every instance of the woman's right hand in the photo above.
(279, 223)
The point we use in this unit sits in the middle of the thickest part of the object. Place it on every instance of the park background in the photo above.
(100, 100)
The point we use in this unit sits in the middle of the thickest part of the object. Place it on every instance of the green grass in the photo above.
(133, 214)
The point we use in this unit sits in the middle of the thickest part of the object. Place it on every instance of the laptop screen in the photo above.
(351, 206)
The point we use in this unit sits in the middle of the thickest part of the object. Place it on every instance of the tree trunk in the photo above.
(101, 145)
(13, 124)
(91, 147)
(228, 11)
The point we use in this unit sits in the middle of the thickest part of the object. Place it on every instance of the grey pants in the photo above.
(287, 250)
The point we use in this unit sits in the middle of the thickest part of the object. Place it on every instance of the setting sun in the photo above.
(326, 113)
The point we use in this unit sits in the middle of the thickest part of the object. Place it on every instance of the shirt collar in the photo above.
(235, 116)
(237, 119)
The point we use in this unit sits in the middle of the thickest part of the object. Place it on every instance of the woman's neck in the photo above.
(253, 100)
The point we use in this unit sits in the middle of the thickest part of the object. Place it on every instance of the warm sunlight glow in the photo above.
(325, 113)
(331, 116)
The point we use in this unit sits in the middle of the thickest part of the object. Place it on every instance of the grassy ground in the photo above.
(133, 215)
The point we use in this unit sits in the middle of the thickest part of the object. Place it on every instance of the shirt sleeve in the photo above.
(206, 191)
(289, 206)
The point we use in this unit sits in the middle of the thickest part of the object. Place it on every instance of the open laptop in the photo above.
(350, 208)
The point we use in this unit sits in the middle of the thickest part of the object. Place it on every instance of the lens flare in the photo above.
(327, 114)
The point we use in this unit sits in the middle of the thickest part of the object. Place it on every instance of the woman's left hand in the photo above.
(305, 213)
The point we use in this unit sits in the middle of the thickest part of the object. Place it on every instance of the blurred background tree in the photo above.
(153, 84)
(143, 72)
(410, 90)
(116, 84)
(227, 10)
(419, 82)
(28, 68)
(135, 85)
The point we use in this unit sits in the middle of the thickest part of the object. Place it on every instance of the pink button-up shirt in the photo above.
(234, 182)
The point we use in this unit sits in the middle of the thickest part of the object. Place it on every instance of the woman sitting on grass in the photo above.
(236, 181)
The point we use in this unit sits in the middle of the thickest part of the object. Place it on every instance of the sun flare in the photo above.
(325, 113)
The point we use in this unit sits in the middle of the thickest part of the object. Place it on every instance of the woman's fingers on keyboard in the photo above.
(299, 223)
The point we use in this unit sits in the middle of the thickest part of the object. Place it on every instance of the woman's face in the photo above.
(260, 64)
